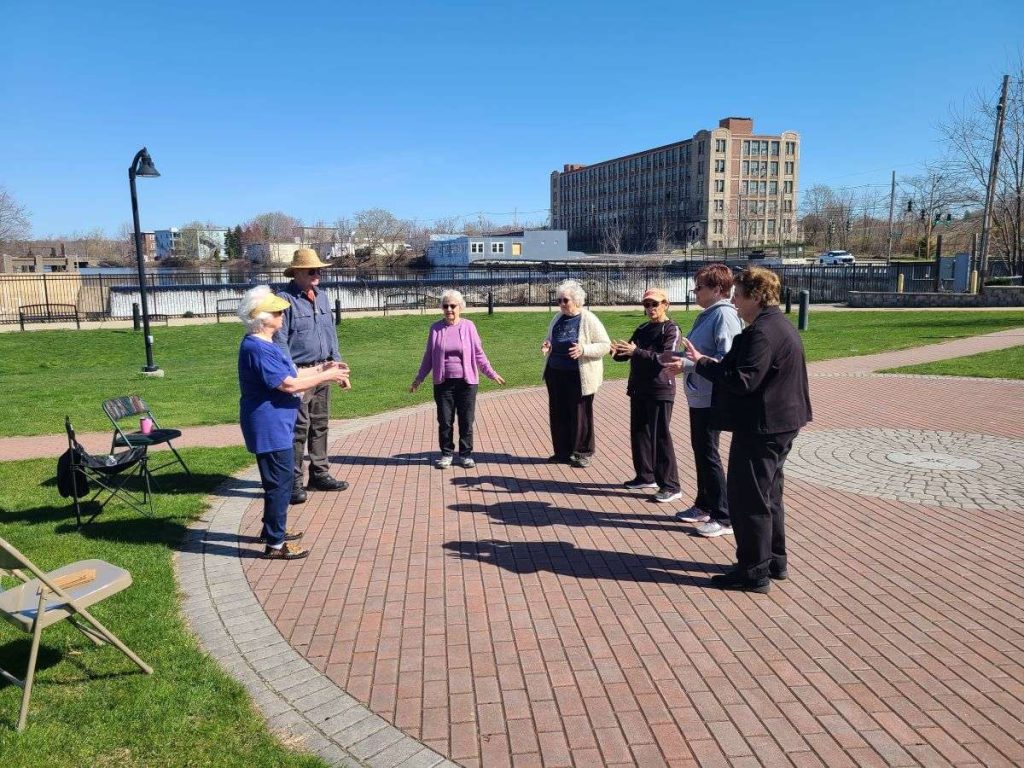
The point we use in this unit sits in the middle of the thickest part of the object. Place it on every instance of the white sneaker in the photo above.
(693, 515)
(467, 462)
(444, 462)
(714, 528)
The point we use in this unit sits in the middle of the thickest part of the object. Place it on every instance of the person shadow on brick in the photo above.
(543, 513)
(566, 559)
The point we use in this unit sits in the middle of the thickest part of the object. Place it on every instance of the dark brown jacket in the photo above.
(760, 386)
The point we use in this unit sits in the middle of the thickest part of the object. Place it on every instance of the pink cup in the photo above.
(146, 426)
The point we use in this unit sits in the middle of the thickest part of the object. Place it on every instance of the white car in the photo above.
(836, 257)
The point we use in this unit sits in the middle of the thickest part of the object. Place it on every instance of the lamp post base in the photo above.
(153, 371)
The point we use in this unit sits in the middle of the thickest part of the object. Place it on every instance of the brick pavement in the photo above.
(527, 614)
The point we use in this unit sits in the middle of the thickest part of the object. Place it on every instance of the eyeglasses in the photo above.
(449, 306)
(651, 304)
(564, 300)
(312, 272)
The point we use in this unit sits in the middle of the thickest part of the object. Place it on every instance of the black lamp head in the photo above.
(146, 167)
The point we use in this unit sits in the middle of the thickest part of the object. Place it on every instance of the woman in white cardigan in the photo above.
(574, 353)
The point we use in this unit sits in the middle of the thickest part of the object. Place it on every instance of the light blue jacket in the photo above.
(712, 334)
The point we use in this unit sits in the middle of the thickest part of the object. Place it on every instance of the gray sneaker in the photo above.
(693, 515)
(466, 462)
(443, 463)
(713, 528)
(666, 496)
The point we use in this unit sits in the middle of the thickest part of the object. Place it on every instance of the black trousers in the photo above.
(311, 426)
(570, 414)
(455, 397)
(711, 496)
(650, 437)
(755, 487)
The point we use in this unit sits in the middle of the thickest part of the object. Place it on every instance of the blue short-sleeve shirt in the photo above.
(266, 414)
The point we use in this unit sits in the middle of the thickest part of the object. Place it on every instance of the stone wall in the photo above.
(994, 296)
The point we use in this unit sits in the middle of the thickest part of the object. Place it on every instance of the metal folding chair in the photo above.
(118, 409)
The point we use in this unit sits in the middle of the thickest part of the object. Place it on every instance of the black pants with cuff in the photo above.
(570, 414)
(454, 397)
(650, 437)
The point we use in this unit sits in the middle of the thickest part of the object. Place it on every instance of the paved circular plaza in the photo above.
(521, 613)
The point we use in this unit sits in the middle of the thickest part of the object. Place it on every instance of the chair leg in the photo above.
(180, 460)
(37, 630)
(111, 638)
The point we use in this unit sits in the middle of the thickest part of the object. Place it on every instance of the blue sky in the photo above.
(321, 109)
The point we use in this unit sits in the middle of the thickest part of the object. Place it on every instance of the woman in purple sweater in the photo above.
(456, 356)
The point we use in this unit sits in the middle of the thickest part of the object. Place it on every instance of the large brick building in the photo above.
(726, 186)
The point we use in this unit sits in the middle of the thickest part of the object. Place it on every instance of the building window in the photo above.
(717, 226)
(719, 166)
(719, 206)
(764, 187)
(497, 247)
(775, 149)
(719, 145)
(790, 147)
(476, 247)
(746, 167)
(787, 206)
(773, 187)
(774, 168)
(746, 149)
(789, 168)
(771, 226)
(786, 225)
(787, 187)
(720, 185)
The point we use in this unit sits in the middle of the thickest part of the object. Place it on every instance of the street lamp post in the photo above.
(142, 165)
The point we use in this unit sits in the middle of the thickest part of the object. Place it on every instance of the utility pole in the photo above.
(892, 201)
(990, 192)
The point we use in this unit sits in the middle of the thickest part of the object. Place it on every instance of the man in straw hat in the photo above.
(308, 335)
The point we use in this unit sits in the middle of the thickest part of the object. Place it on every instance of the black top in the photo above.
(564, 334)
(760, 386)
(645, 369)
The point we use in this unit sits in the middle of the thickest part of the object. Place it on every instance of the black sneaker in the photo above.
(299, 495)
(326, 483)
(556, 459)
(779, 574)
(737, 579)
(636, 484)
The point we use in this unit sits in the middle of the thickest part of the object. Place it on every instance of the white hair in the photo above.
(574, 290)
(250, 301)
(451, 295)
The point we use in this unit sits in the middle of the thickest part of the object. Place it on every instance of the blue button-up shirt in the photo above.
(307, 333)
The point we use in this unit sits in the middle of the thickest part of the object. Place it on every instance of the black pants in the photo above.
(711, 496)
(311, 427)
(455, 396)
(755, 485)
(650, 437)
(570, 413)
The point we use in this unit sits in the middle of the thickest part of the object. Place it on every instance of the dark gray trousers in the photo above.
(311, 430)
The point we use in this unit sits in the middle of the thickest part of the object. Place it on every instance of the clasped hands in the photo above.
(575, 351)
(340, 370)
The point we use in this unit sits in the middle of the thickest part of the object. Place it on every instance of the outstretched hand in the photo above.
(691, 351)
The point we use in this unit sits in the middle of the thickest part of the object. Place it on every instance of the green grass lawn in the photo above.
(52, 373)
(92, 706)
(998, 364)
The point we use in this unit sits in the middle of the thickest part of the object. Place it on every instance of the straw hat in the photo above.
(304, 258)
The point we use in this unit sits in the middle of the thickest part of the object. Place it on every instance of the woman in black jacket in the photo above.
(761, 388)
(652, 392)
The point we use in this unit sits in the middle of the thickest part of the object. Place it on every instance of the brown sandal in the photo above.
(289, 535)
(286, 552)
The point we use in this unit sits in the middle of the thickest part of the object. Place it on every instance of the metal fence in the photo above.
(175, 294)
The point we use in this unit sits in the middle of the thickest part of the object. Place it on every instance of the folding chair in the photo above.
(77, 470)
(131, 407)
(66, 593)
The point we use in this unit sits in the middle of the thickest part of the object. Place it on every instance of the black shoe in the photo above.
(326, 483)
(779, 574)
(298, 494)
(556, 459)
(737, 579)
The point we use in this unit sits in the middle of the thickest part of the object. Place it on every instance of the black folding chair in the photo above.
(78, 470)
(130, 407)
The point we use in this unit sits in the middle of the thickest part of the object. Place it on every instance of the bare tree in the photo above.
(277, 226)
(932, 195)
(969, 131)
(14, 218)
(381, 237)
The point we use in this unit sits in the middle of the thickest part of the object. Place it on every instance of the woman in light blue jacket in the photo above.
(712, 334)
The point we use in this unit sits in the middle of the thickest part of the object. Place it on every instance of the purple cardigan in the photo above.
(473, 358)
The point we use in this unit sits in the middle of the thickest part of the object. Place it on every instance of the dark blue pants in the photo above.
(277, 472)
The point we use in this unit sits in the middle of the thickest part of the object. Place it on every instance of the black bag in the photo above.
(71, 481)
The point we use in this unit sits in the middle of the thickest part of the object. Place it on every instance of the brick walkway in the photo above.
(527, 614)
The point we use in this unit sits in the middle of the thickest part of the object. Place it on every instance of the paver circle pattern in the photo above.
(943, 469)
